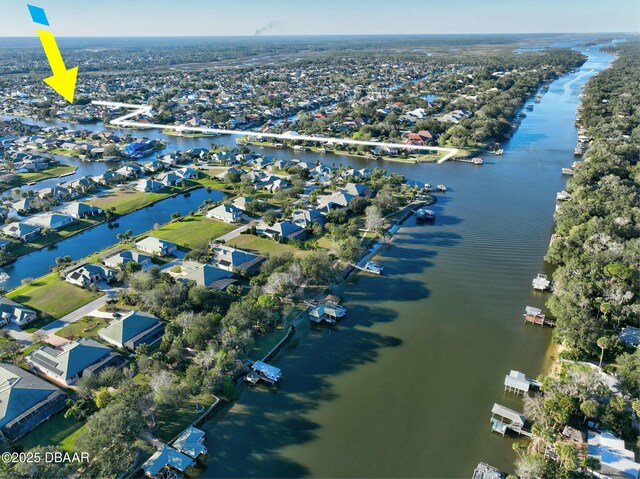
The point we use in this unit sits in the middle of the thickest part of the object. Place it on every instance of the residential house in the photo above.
(304, 218)
(114, 260)
(12, 312)
(52, 221)
(228, 213)
(156, 246)
(285, 231)
(233, 259)
(83, 184)
(130, 170)
(108, 178)
(22, 231)
(24, 205)
(132, 330)
(81, 210)
(57, 192)
(66, 364)
(153, 166)
(87, 274)
(241, 202)
(187, 173)
(147, 186)
(616, 461)
(204, 275)
(26, 401)
(338, 199)
(169, 179)
(357, 189)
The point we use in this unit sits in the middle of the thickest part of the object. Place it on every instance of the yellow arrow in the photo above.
(63, 81)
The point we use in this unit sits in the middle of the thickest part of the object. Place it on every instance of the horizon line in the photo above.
(248, 35)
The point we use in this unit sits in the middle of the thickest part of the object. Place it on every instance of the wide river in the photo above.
(405, 384)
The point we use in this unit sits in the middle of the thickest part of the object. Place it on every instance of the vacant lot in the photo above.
(45, 240)
(193, 230)
(263, 246)
(86, 327)
(24, 178)
(52, 296)
(125, 201)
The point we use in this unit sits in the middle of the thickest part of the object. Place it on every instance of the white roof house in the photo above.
(615, 460)
(156, 246)
(225, 212)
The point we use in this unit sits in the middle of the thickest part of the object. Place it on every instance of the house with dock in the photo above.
(265, 372)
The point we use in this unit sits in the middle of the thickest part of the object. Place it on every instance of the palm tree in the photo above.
(605, 342)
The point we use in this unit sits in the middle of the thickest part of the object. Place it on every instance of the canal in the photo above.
(404, 386)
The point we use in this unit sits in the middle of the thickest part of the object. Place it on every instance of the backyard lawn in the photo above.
(47, 239)
(52, 296)
(86, 327)
(193, 230)
(264, 246)
(56, 431)
(24, 178)
(125, 201)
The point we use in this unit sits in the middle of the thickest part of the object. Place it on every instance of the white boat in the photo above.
(3, 277)
(541, 283)
(374, 268)
(563, 196)
(567, 171)
(442, 188)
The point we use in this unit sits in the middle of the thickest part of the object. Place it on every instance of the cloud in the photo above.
(269, 28)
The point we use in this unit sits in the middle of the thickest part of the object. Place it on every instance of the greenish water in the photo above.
(403, 387)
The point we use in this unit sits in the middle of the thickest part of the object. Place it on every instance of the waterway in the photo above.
(404, 386)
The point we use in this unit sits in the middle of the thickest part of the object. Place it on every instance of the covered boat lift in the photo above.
(264, 371)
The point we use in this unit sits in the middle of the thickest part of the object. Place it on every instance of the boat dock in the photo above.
(485, 471)
(535, 316)
(328, 311)
(504, 419)
(369, 267)
(541, 283)
(516, 382)
(474, 161)
(263, 371)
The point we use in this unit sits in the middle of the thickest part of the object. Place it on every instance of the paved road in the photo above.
(236, 232)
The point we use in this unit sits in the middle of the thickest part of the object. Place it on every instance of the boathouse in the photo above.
(264, 371)
(535, 316)
(503, 418)
(517, 382)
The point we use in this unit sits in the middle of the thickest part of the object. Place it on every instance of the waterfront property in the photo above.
(124, 256)
(88, 274)
(518, 383)
(616, 461)
(26, 401)
(165, 462)
(204, 275)
(133, 329)
(535, 316)
(265, 372)
(504, 419)
(228, 213)
(156, 246)
(190, 442)
(66, 364)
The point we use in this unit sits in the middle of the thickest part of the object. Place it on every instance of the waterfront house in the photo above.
(148, 186)
(52, 221)
(169, 179)
(22, 231)
(616, 461)
(241, 202)
(187, 173)
(83, 184)
(153, 166)
(26, 401)
(130, 170)
(108, 177)
(338, 199)
(156, 246)
(228, 213)
(133, 329)
(13, 312)
(357, 189)
(165, 461)
(204, 275)
(66, 364)
(58, 192)
(233, 259)
(122, 257)
(285, 231)
(81, 210)
(87, 274)
(191, 442)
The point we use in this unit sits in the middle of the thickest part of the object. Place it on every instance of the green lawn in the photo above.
(86, 327)
(193, 230)
(55, 236)
(56, 431)
(173, 420)
(208, 180)
(23, 178)
(125, 201)
(264, 246)
(52, 296)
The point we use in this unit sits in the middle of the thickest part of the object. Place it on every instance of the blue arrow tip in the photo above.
(38, 15)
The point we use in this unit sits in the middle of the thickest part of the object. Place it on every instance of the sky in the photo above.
(319, 17)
